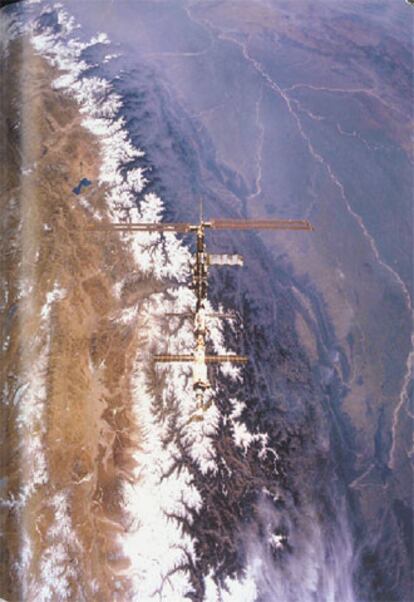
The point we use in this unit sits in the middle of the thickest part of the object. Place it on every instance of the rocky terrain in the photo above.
(298, 486)
(67, 429)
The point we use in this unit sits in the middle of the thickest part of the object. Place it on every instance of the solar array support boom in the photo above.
(209, 359)
(216, 224)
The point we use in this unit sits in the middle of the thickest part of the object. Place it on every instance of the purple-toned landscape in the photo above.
(297, 484)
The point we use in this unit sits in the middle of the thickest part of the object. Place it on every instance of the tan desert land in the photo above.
(63, 346)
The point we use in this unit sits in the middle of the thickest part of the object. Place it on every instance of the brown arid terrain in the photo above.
(297, 485)
(66, 425)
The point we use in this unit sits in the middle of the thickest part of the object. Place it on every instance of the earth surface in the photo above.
(297, 486)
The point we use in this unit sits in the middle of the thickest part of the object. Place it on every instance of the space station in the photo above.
(201, 358)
